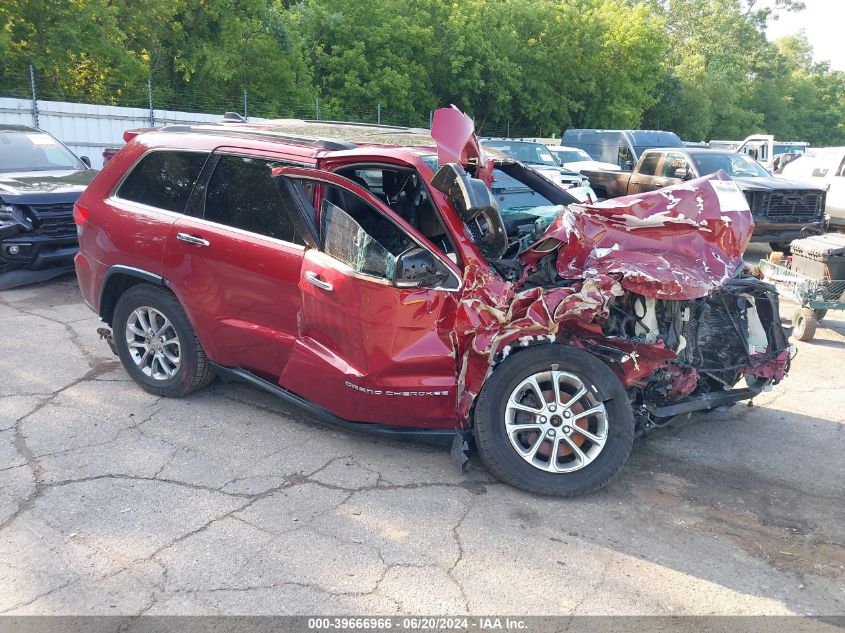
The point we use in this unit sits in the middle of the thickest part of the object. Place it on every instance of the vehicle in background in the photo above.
(728, 146)
(763, 148)
(366, 275)
(538, 157)
(577, 159)
(109, 153)
(572, 158)
(782, 208)
(40, 179)
(698, 144)
(128, 135)
(825, 167)
(620, 147)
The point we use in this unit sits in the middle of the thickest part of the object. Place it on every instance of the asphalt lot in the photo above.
(113, 501)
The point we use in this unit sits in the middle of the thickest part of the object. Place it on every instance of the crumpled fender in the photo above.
(494, 315)
(681, 242)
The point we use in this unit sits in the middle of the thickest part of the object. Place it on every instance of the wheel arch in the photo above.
(116, 281)
(534, 343)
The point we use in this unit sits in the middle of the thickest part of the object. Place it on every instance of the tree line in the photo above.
(702, 68)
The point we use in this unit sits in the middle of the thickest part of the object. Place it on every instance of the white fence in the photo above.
(89, 129)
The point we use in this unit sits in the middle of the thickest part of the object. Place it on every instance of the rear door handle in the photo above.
(192, 239)
(314, 280)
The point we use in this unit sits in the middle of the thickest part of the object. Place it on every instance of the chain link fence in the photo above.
(149, 95)
(152, 97)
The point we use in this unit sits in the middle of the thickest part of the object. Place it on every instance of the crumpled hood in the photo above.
(59, 181)
(681, 242)
(776, 183)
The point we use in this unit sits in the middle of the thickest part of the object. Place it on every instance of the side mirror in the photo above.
(417, 268)
(86, 160)
(629, 165)
(477, 207)
(683, 173)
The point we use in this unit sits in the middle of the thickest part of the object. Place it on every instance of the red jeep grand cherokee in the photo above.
(381, 282)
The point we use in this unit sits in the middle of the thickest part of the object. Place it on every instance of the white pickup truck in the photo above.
(763, 148)
(826, 167)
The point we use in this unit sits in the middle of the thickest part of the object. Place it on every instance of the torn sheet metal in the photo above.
(494, 315)
(676, 243)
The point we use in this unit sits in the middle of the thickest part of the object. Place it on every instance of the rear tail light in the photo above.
(80, 217)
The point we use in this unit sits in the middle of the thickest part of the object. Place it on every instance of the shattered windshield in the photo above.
(527, 202)
(737, 165)
(513, 195)
(526, 213)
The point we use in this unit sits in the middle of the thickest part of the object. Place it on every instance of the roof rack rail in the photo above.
(219, 130)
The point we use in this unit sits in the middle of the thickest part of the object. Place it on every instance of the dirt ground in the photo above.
(113, 501)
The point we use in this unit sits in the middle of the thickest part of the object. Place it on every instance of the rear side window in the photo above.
(242, 194)
(649, 165)
(163, 179)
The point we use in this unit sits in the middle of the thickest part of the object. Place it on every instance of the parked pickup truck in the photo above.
(824, 167)
(781, 208)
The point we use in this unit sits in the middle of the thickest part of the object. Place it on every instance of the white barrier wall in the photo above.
(88, 129)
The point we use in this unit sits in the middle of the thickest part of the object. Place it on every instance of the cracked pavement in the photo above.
(114, 501)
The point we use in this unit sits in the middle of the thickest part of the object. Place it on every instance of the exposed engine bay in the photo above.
(717, 339)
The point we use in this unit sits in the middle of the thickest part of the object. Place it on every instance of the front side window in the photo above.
(356, 234)
(35, 151)
(163, 179)
(404, 191)
(242, 194)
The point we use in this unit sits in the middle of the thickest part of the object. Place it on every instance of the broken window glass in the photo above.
(345, 240)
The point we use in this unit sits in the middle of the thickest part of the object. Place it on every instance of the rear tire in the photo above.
(804, 324)
(156, 343)
(820, 314)
(523, 458)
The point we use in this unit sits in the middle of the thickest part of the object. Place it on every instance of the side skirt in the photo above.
(436, 437)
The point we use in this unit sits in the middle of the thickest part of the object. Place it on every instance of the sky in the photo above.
(823, 21)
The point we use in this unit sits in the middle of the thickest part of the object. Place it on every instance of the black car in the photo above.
(40, 179)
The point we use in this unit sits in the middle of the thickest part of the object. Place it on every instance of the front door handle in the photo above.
(192, 239)
(314, 280)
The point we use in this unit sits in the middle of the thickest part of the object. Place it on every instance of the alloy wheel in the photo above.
(153, 343)
(555, 422)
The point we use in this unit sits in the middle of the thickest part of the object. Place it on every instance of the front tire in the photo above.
(554, 420)
(156, 343)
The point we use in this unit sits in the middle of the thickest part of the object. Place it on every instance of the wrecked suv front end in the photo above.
(652, 286)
